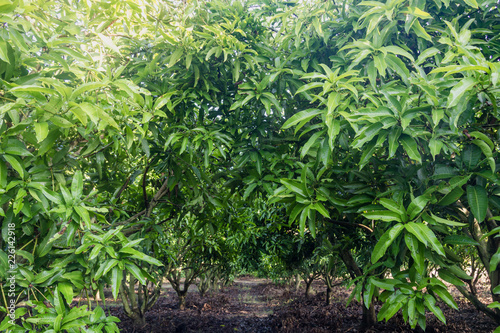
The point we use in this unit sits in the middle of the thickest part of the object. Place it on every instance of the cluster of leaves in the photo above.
(131, 131)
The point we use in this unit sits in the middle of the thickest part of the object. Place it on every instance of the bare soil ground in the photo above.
(259, 306)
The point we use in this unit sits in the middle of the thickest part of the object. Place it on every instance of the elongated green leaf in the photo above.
(86, 87)
(77, 185)
(484, 137)
(367, 154)
(66, 290)
(318, 206)
(33, 89)
(399, 51)
(429, 235)
(459, 90)
(478, 201)
(445, 296)
(415, 248)
(410, 146)
(460, 240)
(393, 206)
(136, 272)
(393, 139)
(294, 186)
(427, 53)
(301, 116)
(15, 163)
(141, 256)
(176, 56)
(383, 215)
(412, 228)
(448, 222)
(472, 3)
(416, 206)
(430, 302)
(435, 147)
(41, 131)
(385, 241)
(312, 140)
(249, 190)
(448, 276)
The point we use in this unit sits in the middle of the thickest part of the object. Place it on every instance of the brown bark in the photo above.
(479, 305)
(369, 317)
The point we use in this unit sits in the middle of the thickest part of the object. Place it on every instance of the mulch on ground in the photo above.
(253, 305)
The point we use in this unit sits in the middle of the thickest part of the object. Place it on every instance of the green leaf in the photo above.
(445, 296)
(303, 219)
(413, 229)
(399, 51)
(136, 272)
(393, 206)
(249, 190)
(302, 116)
(388, 310)
(415, 248)
(41, 131)
(66, 290)
(460, 240)
(435, 147)
(393, 140)
(84, 214)
(430, 302)
(318, 206)
(15, 162)
(33, 89)
(387, 284)
(478, 201)
(416, 206)
(459, 90)
(294, 186)
(431, 238)
(312, 140)
(410, 146)
(483, 137)
(297, 209)
(385, 241)
(17, 148)
(471, 3)
(372, 74)
(427, 53)
(309, 86)
(77, 185)
(139, 255)
(176, 56)
(108, 42)
(367, 154)
(448, 276)
(86, 87)
(447, 222)
(383, 215)
(116, 280)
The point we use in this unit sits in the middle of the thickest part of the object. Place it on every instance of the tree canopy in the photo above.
(366, 129)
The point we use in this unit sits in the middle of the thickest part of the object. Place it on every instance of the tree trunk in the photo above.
(479, 305)
(308, 288)
(369, 317)
(328, 295)
(138, 320)
(182, 300)
(298, 281)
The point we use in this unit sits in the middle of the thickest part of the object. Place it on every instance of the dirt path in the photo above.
(259, 306)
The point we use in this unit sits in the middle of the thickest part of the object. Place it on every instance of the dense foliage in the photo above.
(143, 140)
